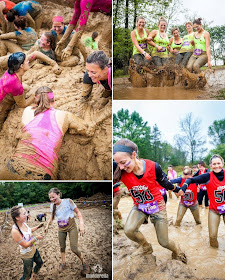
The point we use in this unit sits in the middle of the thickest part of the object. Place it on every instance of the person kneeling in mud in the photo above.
(43, 129)
(64, 210)
(189, 200)
(22, 235)
(5, 6)
(39, 217)
(11, 88)
(25, 38)
(99, 70)
(143, 178)
(58, 30)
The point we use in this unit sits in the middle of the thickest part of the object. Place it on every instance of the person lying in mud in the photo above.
(143, 178)
(22, 234)
(139, 39)
(43, 129)
(31, 9)
(215, 183)
(25, 38)
(82, 8)
(5, 6)
(175, 43)
(187, 48)
(58, 30)
(99, 70)
(91, 42)
(11, 88)
(159, 40)
(189, 200)
(63, 210)
(202, 52)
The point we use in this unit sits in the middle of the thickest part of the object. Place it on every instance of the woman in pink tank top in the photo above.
(36, 155)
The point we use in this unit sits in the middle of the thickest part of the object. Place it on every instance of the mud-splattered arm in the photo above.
(11, 35)
(21, 102)
(30, 21)
(2, 18)
(81, 222)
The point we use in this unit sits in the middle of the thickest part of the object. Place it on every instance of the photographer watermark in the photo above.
(97, 269)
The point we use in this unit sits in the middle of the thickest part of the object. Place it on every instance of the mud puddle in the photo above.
(204, 262)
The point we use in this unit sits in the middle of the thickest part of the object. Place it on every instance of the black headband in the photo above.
(122, 148)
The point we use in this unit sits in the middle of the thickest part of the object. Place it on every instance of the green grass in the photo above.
(214, 67)
(221, 94)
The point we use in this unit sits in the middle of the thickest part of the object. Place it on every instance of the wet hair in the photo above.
(56, 191)
(138, 18)
(187, 170)
(94, 35)
(216, 156)
(21, 22)
(162, 19)
(175, 28)
(198, 21)
(188, 22)
(99, 58)
(133, 147)
(11, 15)
(15, 60)
(15, 212)
(50, 39)
(202, 163)
(42, 101)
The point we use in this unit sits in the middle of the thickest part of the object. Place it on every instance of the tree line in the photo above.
(11, 193)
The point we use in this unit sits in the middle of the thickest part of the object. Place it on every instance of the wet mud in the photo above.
(204, 262)
(80, 157)
(96, 245)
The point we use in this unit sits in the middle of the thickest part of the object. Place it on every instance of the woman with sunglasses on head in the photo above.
(139, 40)
(43, 129)
(215, 183)
(144, 179)
(189, 200)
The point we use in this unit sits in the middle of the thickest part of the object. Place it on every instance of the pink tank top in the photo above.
(42, 147)
(10, 84)
(82, 8)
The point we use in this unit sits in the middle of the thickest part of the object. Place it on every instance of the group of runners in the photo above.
(145, 180)
(192, 51)
(43, 126)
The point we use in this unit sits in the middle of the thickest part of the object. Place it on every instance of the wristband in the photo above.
(35, 239)
(144, 53)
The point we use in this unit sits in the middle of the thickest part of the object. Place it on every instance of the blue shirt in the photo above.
(25, 7)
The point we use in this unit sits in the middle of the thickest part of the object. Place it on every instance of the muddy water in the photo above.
(215, 80)
(204, 262)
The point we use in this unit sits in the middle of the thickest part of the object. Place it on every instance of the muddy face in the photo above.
(58, 27)
(55, 198)
(44, 44)
(96, 73)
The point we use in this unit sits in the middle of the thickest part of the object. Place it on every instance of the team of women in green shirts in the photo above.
(192, 51)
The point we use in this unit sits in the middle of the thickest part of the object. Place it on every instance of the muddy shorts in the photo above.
(28, 266)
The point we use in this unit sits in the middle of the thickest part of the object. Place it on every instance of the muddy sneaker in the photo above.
(147, 249)
(180, 257)
(62, 266)
(84, 270)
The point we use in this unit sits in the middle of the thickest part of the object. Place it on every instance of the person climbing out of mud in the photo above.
(31, 9)
(202, 52)
(91, 42)
(189, 200)
(175, 42)
(11, 88)
(5, 6)
(202, 188)
(82, 8)
(139, 39)
(63, 210)
(159, 40)
(22, 234)
(143, 178)
(215, 183)
(187, 48)
(99, 70)
(43, 129)
(58, 30)
(25, 38)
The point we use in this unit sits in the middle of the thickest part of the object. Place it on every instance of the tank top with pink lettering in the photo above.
(41, 141)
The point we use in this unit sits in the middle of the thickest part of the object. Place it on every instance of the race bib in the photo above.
(63, 223)
(162, 50)
(203, 188)
(188, 203)
(198, 51)
(221, 209)
(163, 191)
(143, 45)
(149, 208)
(186, 43)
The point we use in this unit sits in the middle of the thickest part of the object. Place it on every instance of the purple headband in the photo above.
(50, 95)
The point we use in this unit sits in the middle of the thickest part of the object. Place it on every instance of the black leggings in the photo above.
(201, 194)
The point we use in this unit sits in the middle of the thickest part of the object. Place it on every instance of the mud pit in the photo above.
(204, 262)
(80, 158)
(96, 246)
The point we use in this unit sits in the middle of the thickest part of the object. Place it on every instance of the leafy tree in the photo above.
(220, 150)
(217, 35)
(217, 132)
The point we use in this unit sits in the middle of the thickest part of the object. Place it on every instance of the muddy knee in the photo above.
(213, 242)
(163, 242)
(62, 249)
(129, 232)
(196, 69)
(76, 251)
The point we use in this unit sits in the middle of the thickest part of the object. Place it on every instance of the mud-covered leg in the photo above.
(213, 224)
(195, 213)
(70, 61)
(180, 214)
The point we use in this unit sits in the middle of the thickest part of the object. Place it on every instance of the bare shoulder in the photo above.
(153, 33)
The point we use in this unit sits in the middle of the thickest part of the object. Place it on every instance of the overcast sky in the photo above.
(167, 113)
(211, 10)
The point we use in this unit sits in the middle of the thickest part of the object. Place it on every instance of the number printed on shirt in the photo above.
(188, 196)
(219, 195)
(142, 197)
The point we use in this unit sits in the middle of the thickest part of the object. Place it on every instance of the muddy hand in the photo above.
(181, 193)
(59, 47)
(46, 229)
(91, 129)
(56, 69)
(66, 53)
(40, 225)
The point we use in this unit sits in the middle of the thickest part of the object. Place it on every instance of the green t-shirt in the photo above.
(89, 42)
